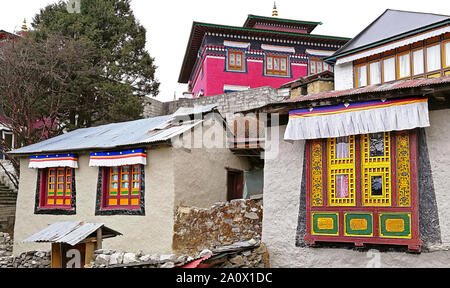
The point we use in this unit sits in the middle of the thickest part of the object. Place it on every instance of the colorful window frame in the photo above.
(388, 217)
(318, 66)
(121, 190)
(277, 65)
(55, 191)
(236, 61)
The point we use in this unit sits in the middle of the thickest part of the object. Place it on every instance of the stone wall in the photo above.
(226, 103)
(30, 259)
(223, 224)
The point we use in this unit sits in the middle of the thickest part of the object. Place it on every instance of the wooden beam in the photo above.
(99, 238)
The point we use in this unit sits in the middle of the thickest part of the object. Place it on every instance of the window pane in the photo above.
(283, 64)
(375, 75)
(362, 76)
(276, 64)
(342, 148)
(341, 186)
(418, 62)
(389, 69)
(269, 63)
(319, 67)
(125, 177)
(238, 60)
(447, 54)
(403, 65)
(232, 59)
(376, 144)
(114, 178)
(433, 58)
(376, 185)
(115, 170)
(313, 67)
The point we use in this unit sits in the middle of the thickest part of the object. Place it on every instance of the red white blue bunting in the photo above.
(120, 158)
(51, 161)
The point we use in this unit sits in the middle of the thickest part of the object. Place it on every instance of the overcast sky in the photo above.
(169, 23)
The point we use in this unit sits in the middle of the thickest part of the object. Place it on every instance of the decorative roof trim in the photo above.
(394, 45)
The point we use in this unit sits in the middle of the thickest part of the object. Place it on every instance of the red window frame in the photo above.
(413, 243)
(235, 67)
(51, 196)
(114, 195)
(270, 65)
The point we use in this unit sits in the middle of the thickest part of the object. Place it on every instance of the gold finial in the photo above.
(24, 26)
(274, 12)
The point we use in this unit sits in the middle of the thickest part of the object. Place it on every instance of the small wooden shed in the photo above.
(73, 243)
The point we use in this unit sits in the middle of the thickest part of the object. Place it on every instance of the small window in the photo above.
(389, 69)
(375, 73)
(121, 190)
(277, 65)
(433, 58)
(55, 191)
(403, 68)
(361, 75)
(235, 60)
(418, 67)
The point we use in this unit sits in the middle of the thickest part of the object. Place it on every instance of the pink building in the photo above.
(266, 51)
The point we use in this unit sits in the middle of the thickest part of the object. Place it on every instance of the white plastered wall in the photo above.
(343, 76)
(151, 233)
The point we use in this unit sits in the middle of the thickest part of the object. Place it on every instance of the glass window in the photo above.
(418, 62)
(319, 67)
(375, 73)
(403, 65)
(376, 144)
(235, 60)
(342, 148)
(447, 54)
(376, 185)
(389, 69)
(433, 58)
(342, 186)
(361, 76)
(277, 65)
(128, 179)
(313, 66)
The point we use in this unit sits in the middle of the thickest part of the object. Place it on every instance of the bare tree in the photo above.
(36, 85)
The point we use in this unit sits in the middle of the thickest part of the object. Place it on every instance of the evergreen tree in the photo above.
(126, 71)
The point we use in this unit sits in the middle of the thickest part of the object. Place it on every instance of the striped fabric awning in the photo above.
(50, 161)
(358, 118)
(120, 158)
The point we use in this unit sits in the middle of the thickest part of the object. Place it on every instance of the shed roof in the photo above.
(70, 233)
(138, 132)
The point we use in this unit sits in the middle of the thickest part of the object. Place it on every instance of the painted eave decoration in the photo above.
(200, 29)
(52, 161)
(357, 118)
(120, 158)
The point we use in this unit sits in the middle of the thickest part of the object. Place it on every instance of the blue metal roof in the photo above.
(114, 135)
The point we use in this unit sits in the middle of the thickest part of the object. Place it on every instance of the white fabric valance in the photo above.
(236, 44)
(357, 118)
(285, 49)
(52, 161)
(121, 158)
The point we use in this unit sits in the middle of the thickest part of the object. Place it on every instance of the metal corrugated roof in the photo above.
(184, 111)
(71, 233)
(114, 135)
(402, 84)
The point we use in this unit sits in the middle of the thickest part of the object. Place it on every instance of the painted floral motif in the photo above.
(403, 170)
(316, 174)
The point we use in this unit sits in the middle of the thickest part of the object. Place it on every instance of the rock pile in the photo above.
(31, 259)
